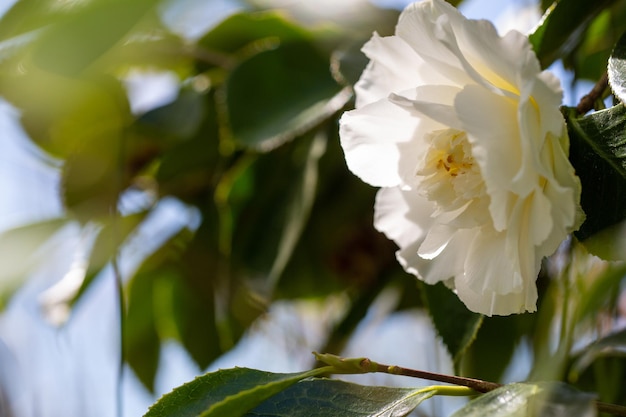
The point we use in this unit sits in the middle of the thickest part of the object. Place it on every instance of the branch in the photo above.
(587, 102)
(364, 365)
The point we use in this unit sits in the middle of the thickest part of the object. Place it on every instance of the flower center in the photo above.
(450, 176)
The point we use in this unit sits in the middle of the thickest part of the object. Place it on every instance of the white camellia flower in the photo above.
(462, 130)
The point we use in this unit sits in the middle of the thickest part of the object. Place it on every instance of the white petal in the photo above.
(433, 101)
(488, 266)
(393, 67)
(402, 215)
(373, 138)
(489, 303)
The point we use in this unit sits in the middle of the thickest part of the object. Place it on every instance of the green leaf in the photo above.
(456, 325)
(228, 392)
(563, 26)
(243, 29)
(19, 253)
(113, 233)
(75, 42)
(142, 345)
(279, 94)
(598, 153)
(298, 211)
(179, 119)
(617, 69)
(553, 399)
(490, 354)
(327, 397)
(589, 59)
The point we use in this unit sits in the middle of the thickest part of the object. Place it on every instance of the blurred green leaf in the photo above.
(177, 120)
(327, 397)
(611, 345)
(348, 62)
(609, 243)
(553, 399)
(142, 345)
(488, 356)
(279, 94)
(112, 235)
(188, 168)
(228, 392)
(19, 248)
(75, 42)
(589, 59)
(563, 27)
(456, 325)
(598, 153)
(243, 29)
(617, 69)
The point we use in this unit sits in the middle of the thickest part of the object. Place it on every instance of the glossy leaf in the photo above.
(327, 397)
(617, 69)
(531, 399)
(228, 392)
(456, 325)
(598, 153)
(279, 94)
(563, 26)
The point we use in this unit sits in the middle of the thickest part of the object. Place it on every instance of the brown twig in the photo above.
(587, 102)
(478, 384)
(475, 384)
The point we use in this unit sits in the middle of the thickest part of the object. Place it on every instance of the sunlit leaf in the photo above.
(598, 153)
(18, 253)
(531, 399)
(228, 392)
(71, 45)
(617, 69)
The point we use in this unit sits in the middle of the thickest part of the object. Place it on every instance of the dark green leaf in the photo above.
(552, 399)
(279, 94)
(228, 392)
(456, 325)
(299, 209)
(490, 353)
(348, 63)
(563, 26)
(598, 153)
(243, 29)
(330, 398)
(142, 345)
(617, 69)
(179, 119)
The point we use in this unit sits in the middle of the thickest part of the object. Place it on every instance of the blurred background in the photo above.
(180, 159)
